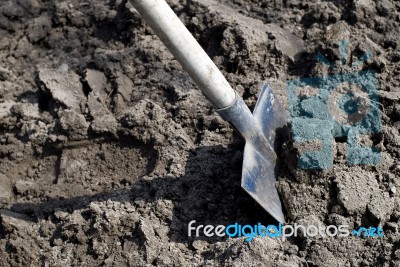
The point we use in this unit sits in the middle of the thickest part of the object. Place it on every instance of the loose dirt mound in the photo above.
(108, 150)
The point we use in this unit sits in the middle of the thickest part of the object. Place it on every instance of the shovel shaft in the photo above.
(186, 50)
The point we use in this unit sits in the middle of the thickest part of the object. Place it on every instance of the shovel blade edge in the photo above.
(259, 166)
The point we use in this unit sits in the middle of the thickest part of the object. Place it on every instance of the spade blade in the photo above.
(259, 159)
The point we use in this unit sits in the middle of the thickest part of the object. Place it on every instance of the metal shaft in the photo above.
(186, 50)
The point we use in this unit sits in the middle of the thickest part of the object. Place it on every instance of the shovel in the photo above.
(258, 129)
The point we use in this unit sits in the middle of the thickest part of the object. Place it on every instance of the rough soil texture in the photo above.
(108, 150)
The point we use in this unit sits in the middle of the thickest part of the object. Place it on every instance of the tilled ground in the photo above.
(108, 150)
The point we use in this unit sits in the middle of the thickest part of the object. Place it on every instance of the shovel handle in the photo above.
(186, 50)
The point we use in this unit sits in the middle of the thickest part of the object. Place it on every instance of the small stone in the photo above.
(73, 123)
(22, 187)
(63, 67)
(97, 82)
(41, 124)
(125, 86)
(96, 107)
(58, 242)
(200, 245)
(162, 232)
(61, 215)
(65, 87)
(393, 190)
(105, 124)
(76, 218)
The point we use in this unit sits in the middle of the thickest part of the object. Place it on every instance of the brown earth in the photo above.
(108, 150)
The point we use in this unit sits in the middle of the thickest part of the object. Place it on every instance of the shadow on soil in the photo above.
(209, 193)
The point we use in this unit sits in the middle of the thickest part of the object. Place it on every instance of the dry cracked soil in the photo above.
(108, 150)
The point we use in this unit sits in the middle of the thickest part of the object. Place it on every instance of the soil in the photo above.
(108, 150)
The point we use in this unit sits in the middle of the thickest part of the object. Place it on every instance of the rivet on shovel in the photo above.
(258, 129)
